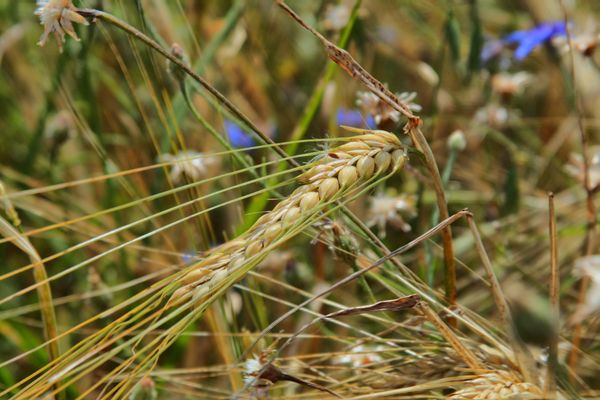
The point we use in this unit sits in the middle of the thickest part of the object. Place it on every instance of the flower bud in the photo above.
(456, 141)
(174, 69)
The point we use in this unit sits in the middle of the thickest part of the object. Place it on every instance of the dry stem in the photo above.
(355, 70)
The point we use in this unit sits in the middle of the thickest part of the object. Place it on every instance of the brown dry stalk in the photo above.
(591, 228)
(466, 354)
(342, 58)
(550, 384)
(343, 169)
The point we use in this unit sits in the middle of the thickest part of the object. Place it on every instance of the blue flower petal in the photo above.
(491, 49)
(528, 40)
(237, 137)
(354, 118)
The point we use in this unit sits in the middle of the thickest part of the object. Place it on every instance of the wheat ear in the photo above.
(342, 170)
(498, 385)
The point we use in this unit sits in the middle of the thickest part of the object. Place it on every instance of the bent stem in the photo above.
(44, 291)
(550, 383)
(345, 61)
(523, 357)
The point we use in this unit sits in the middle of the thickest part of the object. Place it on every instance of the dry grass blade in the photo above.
(340, 172)
(43, 289)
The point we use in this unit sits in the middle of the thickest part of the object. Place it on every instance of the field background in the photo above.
(89, 140)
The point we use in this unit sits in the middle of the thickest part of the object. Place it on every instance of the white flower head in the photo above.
(576, 167)
(336, 17)
(589, 266)
(507, 84)
(371, 104)
(361, 356)
(190, 164)
(391, 208)
(252, 368)
(57, 17)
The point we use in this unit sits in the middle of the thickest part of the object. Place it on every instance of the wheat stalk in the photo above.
(341, 170)
(344, 171)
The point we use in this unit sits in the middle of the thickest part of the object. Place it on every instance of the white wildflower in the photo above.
(589, 266)
(336, 17)
(57, 17)
(584, 39)
(576, 167)
(361, 356)
(190, 164)
(390, 208)
(252, 368)
(506, 84)
(494, 115)
(380, 110)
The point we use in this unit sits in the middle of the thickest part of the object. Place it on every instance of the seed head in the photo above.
(57, 17)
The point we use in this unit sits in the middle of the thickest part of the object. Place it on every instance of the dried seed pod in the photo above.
(218, 277)
(353, 147)
(236, 262)
(348, 165)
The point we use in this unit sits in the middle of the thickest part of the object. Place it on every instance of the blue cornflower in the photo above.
(526, 40)
(354, 118)
(237, 137)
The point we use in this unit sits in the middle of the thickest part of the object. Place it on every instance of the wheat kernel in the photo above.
(366, 167)
(329, 187)
(399, 158)
(309, 200)
(253, 248)
(195, 275)
(291, 215)
(348, 176)
(383, 160)
(272, 232)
